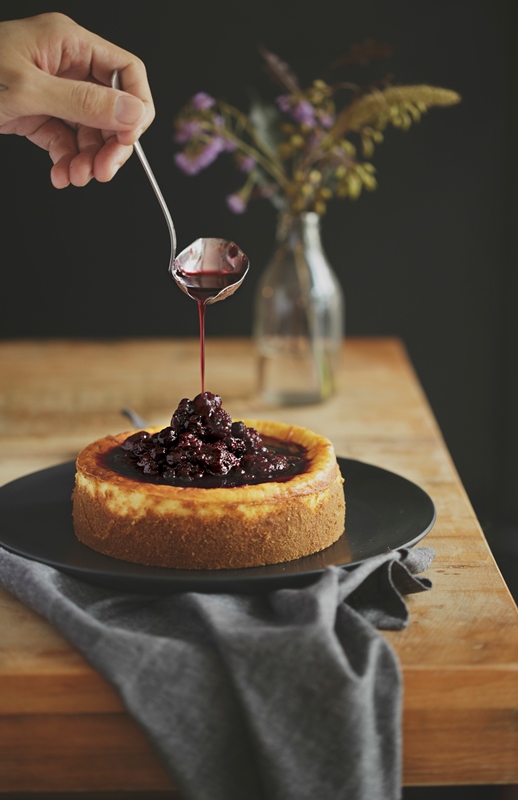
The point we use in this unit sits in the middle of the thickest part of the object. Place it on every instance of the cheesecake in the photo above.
(206, 493)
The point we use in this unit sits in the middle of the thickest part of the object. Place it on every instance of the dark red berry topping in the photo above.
(203, 447)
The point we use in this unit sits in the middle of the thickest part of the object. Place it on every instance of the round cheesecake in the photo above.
(193, 527)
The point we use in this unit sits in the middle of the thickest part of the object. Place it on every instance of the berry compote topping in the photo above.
(203, 447)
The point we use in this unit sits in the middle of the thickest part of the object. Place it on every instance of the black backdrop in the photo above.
(430, 256)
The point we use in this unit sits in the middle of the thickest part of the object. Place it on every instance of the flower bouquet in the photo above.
(307, 147)
(312, 144)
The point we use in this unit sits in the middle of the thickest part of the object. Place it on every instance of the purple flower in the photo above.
(301, 110)
(186, 131)
(236, 203)
(284, 102)
(304, 113)
(228, 146)
(191, 165)
(326, 120)
(246, 163)
(186, 164)
(211, 152)
(202, 100)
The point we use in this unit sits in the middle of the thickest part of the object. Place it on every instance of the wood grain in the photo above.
(61, 725)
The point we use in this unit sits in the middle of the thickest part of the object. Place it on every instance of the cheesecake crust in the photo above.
(218, 528)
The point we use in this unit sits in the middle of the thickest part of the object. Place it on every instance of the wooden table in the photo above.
(61, 725)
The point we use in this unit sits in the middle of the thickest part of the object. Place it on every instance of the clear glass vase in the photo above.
(299, 317)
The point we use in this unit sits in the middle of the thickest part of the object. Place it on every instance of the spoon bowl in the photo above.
(210, 270)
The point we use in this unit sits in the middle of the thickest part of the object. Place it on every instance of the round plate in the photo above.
(384, 512)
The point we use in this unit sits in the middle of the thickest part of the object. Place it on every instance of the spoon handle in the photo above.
(115, 82)
(149, 172)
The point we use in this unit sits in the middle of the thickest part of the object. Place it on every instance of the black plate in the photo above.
(384, 512)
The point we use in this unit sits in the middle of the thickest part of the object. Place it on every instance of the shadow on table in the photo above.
(137, 795)
(460, 793)
(411, 793)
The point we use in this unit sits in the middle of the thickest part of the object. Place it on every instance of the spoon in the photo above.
(207, 270)
(116, 84)
(134, 417)
(210, 269)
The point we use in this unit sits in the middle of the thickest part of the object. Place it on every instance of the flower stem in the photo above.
(259, 152)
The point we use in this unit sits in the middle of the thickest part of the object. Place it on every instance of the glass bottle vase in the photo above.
(299, 317)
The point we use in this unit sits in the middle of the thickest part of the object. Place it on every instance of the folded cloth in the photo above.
(292, 695)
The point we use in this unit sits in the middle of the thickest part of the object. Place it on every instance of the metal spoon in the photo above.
(207, 270)
(134, 417)
(210, 269)
(149, 172)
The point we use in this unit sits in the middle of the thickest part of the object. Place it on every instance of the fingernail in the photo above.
(128, 109)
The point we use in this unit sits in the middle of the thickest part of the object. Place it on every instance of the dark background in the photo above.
(430, 256)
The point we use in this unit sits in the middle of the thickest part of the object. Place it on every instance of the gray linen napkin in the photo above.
(292, 695)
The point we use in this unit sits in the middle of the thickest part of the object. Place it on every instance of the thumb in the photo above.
(85, 103)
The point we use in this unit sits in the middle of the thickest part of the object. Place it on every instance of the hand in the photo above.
(54, 89)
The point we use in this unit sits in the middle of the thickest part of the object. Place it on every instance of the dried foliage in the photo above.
(307, 147)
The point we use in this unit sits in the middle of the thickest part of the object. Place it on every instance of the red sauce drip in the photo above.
(201, 315)
(203, 287)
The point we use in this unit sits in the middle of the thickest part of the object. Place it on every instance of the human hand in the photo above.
(54, 89)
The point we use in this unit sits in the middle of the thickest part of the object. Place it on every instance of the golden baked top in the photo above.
(320, 467)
